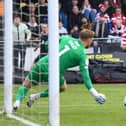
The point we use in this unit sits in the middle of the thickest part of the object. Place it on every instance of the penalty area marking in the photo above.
(22, 120)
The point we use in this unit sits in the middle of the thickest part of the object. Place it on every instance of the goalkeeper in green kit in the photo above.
(72, 53)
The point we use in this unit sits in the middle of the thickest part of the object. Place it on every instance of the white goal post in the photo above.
(53, 63)
(53, 19)
(8, 56)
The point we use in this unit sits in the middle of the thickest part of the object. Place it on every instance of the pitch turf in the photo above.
(77, 107)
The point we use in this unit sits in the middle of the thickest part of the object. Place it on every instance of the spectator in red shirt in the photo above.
(118, 15)
(118, 28)
(101, 26)
(117, 32)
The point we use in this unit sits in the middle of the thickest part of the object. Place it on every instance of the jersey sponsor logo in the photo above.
(106, 57)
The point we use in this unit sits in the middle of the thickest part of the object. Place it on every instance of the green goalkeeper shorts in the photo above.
(39, 74)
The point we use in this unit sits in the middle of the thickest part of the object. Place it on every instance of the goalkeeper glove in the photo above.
(100, 98)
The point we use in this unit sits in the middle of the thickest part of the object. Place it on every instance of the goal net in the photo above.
(25, 53)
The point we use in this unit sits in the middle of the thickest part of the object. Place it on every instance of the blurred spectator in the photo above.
(63, 17)
(117, 31)
(109, 8)
(23, 3)
(95, 3)
(85, 24)
(42, 11)
(75, 32)
(16, 4)
(34, 28)
(34, 1)
(21, 34)
(20, 30)
(88, 12)
(118, 15)
(101, 27)
(28, 11)
(75, 18)
(73, 3)
(123, 42)
(123, 6)
(67, 5)
(62, 30)
(44, 32)
(116, 3)
(44, 37)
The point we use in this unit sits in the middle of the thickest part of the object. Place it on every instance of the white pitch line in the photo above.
(1, 111)
(22, 120)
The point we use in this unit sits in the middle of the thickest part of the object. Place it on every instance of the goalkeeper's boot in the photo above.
(16, 105)
(32, 99)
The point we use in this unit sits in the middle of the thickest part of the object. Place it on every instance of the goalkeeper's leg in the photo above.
(22, 92)
(34, 97)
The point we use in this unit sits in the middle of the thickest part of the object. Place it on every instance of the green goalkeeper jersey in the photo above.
(72, 53)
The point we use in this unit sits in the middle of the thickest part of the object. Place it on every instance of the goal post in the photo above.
(53, 63)
(8, 57)
(53, 19)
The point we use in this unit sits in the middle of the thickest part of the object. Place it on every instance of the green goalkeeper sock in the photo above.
(45, 93)
(22, 91)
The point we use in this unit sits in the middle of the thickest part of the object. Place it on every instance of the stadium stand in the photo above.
(37, 10)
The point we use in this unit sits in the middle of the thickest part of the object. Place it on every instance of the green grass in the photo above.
(77, 107)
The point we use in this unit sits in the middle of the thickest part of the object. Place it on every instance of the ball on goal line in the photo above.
(124, 101)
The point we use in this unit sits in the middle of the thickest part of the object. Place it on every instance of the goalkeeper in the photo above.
(72, 53)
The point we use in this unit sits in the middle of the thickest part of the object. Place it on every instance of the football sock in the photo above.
(22, 91)
(45, 93)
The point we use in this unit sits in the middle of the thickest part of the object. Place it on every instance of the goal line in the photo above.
(20, 119)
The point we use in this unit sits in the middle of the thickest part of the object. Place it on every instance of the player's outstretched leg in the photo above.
(34, 97)
(21, 93)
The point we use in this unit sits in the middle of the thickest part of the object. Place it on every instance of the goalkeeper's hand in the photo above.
(99, 97)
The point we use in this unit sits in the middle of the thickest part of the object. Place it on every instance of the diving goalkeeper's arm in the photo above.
(99, 97)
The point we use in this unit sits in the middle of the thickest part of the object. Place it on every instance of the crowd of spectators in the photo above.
(104, 17)
(107, 18)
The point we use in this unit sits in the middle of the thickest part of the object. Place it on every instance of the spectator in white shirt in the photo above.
(62, 29)
(117, 32)
(21, 34)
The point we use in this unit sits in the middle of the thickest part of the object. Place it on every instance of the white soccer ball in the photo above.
(124, 101)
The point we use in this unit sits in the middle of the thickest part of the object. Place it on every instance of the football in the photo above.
(124, 101)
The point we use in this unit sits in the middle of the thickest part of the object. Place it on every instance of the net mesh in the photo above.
(25, 53)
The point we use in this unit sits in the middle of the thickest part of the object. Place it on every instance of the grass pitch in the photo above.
(77, 107)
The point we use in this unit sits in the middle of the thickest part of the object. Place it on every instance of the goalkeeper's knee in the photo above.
(27, 83)
(63, 87)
